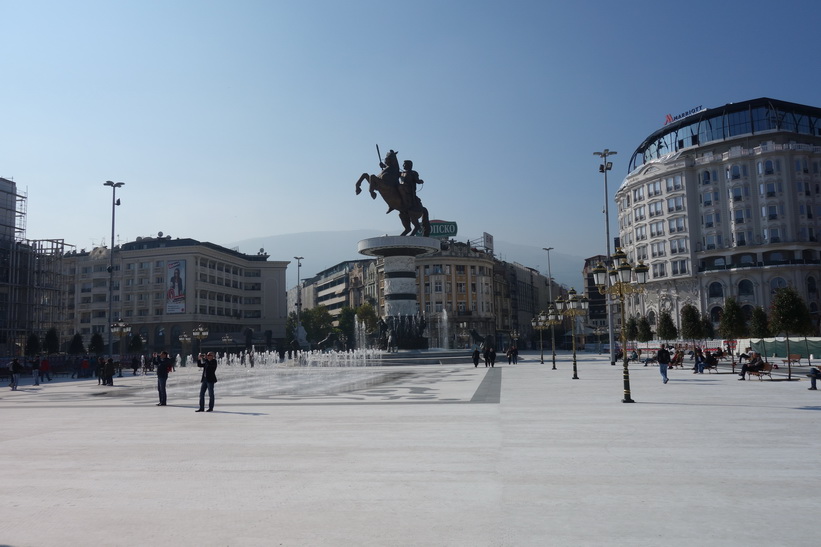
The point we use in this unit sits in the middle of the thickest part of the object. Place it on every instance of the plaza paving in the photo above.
(417, 455)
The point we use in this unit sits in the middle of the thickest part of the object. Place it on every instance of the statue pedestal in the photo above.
(399, 254)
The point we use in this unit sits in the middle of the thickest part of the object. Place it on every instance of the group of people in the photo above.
(489, 355)
(163, 365)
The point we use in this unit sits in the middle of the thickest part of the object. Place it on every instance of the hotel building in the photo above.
(725, 202)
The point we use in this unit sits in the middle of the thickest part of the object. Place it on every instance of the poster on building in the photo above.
(175, 297)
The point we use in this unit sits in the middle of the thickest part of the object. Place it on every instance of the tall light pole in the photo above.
(114, 203)
(550, 297)
(299, 260)
(604, 168)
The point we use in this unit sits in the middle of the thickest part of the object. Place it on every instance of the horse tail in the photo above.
(425, 222)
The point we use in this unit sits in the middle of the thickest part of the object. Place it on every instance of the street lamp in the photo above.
(539, 322)
(620, 284)
(604, 167)
(121, 329)
(575, 306)
(200, 333)
(299, 260)
(114, 203)
(550, 298)
(227, 339)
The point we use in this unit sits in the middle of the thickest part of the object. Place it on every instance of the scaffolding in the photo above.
(32, 280)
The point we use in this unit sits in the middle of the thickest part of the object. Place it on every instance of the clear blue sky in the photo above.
(239, 119)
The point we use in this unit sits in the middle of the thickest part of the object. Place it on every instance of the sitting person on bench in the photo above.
(814, 375)
(753, 365)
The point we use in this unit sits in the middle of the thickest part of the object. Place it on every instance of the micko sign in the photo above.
(442, 229)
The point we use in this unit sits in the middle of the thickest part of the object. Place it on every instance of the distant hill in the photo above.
(321, 250)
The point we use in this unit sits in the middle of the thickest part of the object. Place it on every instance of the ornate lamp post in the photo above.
(200, 333)
(121, 329)
(539, 322)
(514, 334)
(299, 260)
(184, 340)
(226, 339)
(575, 306)
(621, 284)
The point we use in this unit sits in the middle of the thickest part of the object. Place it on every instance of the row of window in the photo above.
(437, 269)
(745, 287)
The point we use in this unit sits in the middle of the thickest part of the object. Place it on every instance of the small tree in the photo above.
(97, 344)
(32, 345)
(645, 333)
(790, 315)
(367, 314)
(347, 326)
(760, 326)
(692, 327)
(631, 330)
(76, 347)
(666, 329)
(135, 345)
(51, 342)
(733, 325)
(707, 329)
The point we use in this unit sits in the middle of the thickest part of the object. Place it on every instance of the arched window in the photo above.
(159, 337)
(651, 317)
(705, 177)
(715, 290)
(745, 287)
(735, 172)
(777, 283)
(715, 314)
(811, 285)
(768, 167)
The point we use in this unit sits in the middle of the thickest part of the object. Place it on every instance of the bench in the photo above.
(792, 359)
(766, 371)
(710, 368)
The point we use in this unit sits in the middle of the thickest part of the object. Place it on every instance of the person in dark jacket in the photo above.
(16, 369)
(162, 367)
(475, 357)
(209, 377)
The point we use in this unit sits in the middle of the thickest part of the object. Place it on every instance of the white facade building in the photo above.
(725, 202)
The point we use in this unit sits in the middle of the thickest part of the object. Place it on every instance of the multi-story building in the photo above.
(725, 202)
(166, 287)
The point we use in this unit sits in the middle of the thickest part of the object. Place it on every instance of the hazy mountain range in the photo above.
(321, 250)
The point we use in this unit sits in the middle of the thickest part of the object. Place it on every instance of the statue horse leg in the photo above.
(406, 223)
(371, 184)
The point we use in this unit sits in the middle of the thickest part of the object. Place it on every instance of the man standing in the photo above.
(209, 378)
(663, 358)
(162, 367)
(16, 369)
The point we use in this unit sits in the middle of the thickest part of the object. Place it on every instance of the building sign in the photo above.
(175, 297)
(671, 118)
(442, 229)
(488, 241)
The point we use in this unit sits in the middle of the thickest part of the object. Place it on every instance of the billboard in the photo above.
(175, 296)
(442, 229)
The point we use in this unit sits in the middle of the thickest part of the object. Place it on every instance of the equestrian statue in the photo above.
(398, 189)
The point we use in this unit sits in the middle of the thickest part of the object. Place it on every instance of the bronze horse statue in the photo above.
(414, 217)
